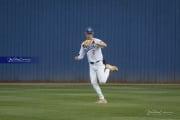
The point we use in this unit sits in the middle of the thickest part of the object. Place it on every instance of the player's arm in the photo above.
(81, 54)
(101, 44)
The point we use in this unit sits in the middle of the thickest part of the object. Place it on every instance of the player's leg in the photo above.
(94, 83)
(102, 73)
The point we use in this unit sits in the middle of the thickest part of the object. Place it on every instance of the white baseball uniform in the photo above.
(97, 69)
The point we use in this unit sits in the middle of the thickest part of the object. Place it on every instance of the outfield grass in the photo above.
(70, 102)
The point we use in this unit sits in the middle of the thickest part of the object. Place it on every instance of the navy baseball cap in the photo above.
(89, 30)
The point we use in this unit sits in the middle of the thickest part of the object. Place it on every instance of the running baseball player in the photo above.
(99, 71)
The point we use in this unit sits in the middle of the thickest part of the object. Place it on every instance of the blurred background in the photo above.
(142, 36)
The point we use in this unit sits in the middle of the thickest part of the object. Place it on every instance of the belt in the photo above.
(94, 62)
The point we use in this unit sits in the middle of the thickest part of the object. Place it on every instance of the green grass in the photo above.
(78, 103)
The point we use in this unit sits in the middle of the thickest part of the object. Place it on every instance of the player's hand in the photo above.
(101, 44)
(76, 58)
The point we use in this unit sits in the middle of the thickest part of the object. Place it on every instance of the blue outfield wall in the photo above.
(142, 36)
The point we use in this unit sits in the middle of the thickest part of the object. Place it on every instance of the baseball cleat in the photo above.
(102, 101)
(111, 67)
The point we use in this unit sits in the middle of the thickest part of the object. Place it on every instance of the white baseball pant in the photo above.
(98, 72)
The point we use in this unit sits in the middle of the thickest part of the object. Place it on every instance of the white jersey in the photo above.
(93, 52)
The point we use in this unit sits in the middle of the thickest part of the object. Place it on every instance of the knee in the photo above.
(102, 82)
(93, 83)
(96, 83)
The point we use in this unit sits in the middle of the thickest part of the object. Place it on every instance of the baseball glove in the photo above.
(87, 43)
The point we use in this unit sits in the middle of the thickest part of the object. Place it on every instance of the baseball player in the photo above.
(99, 71)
